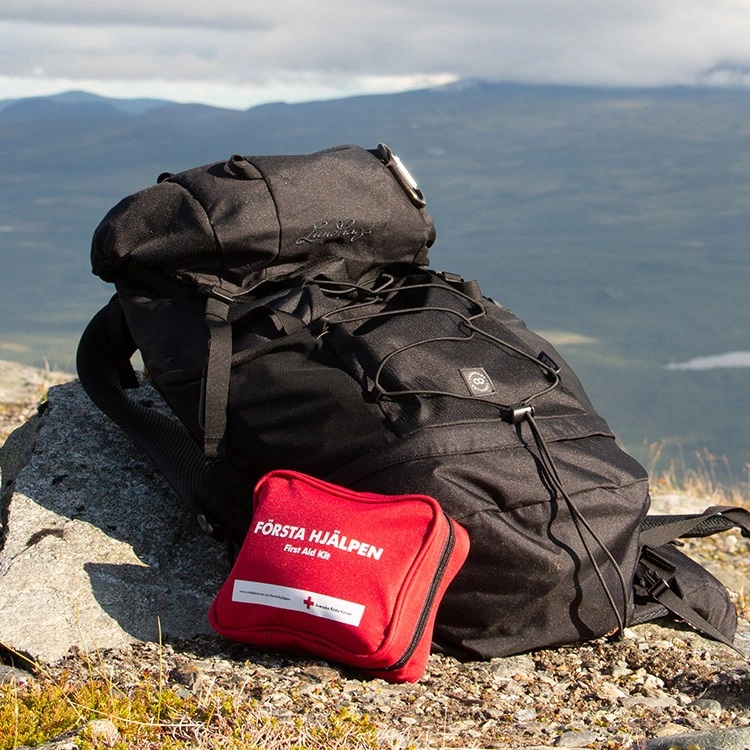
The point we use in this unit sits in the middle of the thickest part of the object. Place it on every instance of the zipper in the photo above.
(431, 594)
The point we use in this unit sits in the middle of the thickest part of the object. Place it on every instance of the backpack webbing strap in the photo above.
(286, 322)
(658, 530)
(102, 362)
(215, 393)
(216, 381)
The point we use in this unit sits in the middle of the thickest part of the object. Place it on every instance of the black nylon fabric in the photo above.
(239, 222)
(528, 581)
(308, 401)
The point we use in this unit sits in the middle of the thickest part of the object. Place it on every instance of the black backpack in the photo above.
(285, 311)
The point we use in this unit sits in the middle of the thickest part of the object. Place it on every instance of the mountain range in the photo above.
(614, 221)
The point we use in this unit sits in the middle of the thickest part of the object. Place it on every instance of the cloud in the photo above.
(718, 361)
(347, 45)
(218, 14)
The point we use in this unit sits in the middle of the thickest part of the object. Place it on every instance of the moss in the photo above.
(149, 714)
(33, 713)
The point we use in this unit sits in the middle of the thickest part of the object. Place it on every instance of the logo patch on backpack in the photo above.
(477, 381)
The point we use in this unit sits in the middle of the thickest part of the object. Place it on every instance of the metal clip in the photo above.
(218, 293)
(401, 173)
(205, 525)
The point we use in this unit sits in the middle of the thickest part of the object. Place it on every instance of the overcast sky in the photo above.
(238, 53)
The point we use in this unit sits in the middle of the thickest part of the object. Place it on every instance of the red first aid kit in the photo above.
(352, 577)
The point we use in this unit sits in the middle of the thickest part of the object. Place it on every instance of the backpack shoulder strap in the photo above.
(105, 372)
(662, 529)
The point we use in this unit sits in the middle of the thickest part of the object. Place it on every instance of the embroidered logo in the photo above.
(326, 231)
(477, 381)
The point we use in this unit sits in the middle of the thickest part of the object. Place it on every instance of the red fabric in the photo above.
(349, 576)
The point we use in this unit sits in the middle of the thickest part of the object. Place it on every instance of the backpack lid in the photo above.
(257, 217)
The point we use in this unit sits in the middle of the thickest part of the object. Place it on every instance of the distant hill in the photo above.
(75, 102)
(616, 220)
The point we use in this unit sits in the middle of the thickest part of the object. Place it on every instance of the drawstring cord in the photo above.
(581, 523)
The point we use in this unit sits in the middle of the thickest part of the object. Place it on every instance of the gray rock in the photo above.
(97, 551)
(506, 668)
(735, 738)
(707, 704)
(585, 738)
(14, 676)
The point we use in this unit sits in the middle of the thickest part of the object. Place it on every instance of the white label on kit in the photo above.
(298, 600)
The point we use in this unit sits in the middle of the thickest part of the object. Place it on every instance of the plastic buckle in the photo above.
(401, 173)
(654, 583)
(652, 570)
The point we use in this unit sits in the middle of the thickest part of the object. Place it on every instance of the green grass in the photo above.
(150, 714)
(703, 475)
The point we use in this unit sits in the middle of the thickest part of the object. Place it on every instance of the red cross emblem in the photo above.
(308, 602)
